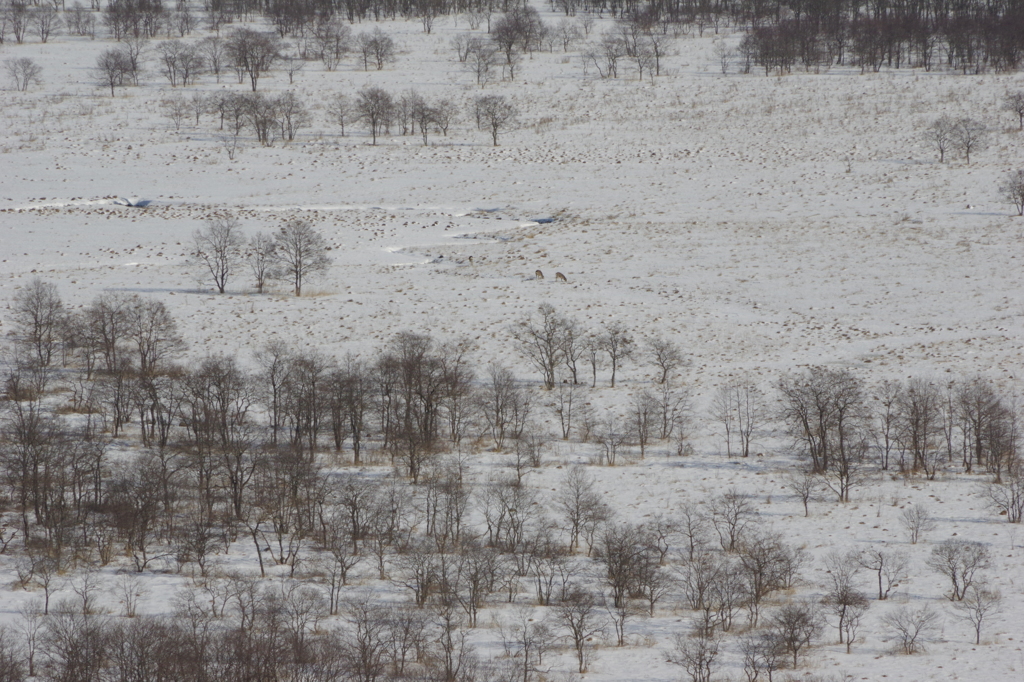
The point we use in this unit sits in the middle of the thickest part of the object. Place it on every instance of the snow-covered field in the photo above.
(766, 224)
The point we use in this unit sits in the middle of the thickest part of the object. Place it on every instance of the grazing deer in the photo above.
(559, 277)
(538, 275)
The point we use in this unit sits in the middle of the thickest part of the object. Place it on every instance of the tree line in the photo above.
(970, 37)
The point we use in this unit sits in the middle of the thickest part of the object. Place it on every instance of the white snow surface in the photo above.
(765, 223)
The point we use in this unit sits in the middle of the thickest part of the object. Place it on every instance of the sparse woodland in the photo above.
(326, 482)
(554, 497)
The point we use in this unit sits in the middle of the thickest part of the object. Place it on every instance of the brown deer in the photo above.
(538, 275)
(559, 277)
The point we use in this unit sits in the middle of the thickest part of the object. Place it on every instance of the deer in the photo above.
(538, 275)
(559, 277)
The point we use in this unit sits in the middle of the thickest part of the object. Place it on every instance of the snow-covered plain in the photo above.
(765, 223)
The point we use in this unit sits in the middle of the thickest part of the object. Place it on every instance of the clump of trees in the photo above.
(23, 73)
(269, 118)
(119, 66)
(380, 112)
(375, 48)
(1013, 190)
(495, 114)
(963, 135)
(294, 254)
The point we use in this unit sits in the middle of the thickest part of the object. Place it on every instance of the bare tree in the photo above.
(482, 59)
(941, 134)
(293, 64)
(505, 405)
(666, 355)
(84, 585)
(960, 561)
(422, 114)
(331, 41)
(217, 250)
(593, 354)
(566, 406)
(1007, 496)
(851, 624)
(292, 115)
(612, 440)
(605, 56)
(919, 426)
(702, 579)
(569, 33)
(32, 628)
(890, 566)
(913, 627)
(827, 418)
(1014, 101)
(444, 113)
(199, 104)
(539, 340)
(887, 399)
(214, 51)
(261, 113)
(795, 626)
(375, 48)
(580, 505)
(916, 520)
(23, 72)
(673, 414)
(623, 551)
(341, 111)
(642, 418)
(252, 52)
(762, 653)
(696, 653)
(986, 424)
(969, 136)
(805, 486)
(175, 109)
(39, 317)
(977, 606)
(130, 589)
(842, 599)
(112, 67)
(375, 108)
(692, 525)
(180, 61)
(260, 256)
(495, 114)
(1012, 190)
(300, 252)
(766, 565)
(134, 504)
(731, 515)
(80, 21)
(364, 642)
(46, 21)
(578, 614)
(46, 574)
(618, 344)
(154, 333)
(16, 17)
(135, 49)
(463, 44)
(508, 34)
(739, 408)
(524, 640)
